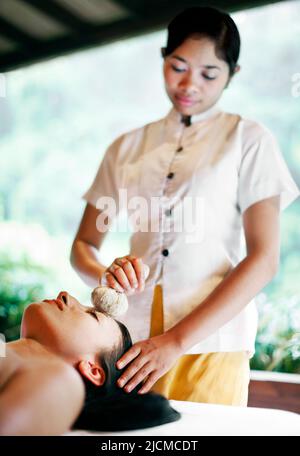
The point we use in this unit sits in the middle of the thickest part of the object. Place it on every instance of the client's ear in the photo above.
(93, 372)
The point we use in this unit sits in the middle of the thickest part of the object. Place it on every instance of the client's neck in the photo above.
(31, 348)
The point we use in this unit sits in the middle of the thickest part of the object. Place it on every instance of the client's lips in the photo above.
(58, 303)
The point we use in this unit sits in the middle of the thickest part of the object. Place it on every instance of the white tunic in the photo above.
(224, 162)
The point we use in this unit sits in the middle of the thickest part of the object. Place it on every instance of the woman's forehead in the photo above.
(189, 51)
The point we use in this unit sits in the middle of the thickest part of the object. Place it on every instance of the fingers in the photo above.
(139, 271)
(129, 272)
(132, 353)
(141, 374)
(126, 274)
(120, 275)
(152, 379)
(112, 282)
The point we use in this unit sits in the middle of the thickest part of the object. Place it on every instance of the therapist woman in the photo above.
(193, 320)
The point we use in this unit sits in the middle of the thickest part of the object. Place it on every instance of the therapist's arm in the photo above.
(87, 242)
(262, 232)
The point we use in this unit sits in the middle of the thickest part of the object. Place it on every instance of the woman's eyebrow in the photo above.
(183, 60)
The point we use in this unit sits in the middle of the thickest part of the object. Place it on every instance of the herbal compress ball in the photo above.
(109, 300)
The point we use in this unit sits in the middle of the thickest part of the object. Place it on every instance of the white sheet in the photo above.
(208, 420)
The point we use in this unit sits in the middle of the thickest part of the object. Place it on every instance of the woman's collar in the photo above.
(176, 117)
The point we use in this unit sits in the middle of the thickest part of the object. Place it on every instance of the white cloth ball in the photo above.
(109, 300)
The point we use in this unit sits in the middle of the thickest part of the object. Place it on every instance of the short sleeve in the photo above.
(263, 172)
(107, 180)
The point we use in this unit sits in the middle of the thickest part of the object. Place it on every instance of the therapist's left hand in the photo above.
(152, 358)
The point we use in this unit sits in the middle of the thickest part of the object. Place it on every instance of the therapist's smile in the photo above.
(185, 101)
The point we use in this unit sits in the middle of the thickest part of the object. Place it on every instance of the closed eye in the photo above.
(210, 78)
(180, 70)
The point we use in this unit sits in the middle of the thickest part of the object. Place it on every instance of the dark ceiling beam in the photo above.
(233, 6)
(60, 15)
(135, 7)
(152, 7)
(105, 34)
(108, 33)
(13, 33)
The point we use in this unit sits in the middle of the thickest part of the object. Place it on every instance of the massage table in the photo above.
(221, 420)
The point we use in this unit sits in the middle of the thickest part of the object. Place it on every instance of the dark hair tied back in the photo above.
(210, 22)
(109, 408)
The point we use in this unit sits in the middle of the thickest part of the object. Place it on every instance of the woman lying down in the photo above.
(61, 374)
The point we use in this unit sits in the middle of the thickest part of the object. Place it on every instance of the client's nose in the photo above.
(63, 296)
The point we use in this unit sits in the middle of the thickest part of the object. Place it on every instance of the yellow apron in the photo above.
(215, 378)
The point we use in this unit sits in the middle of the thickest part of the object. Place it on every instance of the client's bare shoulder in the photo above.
(38, 395)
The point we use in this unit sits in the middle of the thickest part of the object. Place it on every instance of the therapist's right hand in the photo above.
(126, 274)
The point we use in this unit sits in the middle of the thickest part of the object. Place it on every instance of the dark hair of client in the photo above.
(109, 408)
(209, 22)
